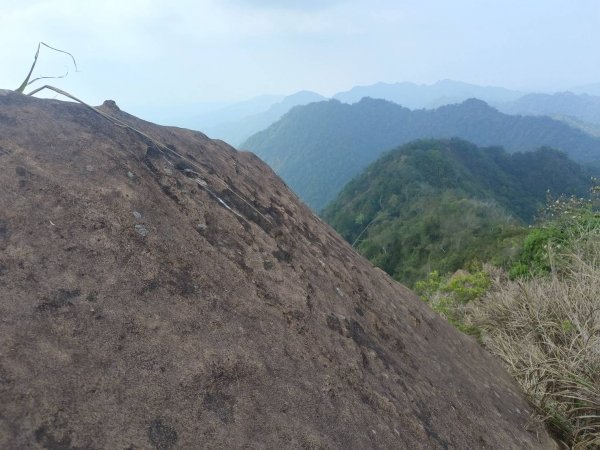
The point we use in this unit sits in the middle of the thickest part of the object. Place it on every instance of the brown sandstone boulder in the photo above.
(154, 301)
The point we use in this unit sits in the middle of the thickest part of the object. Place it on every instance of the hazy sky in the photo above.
(167, 53)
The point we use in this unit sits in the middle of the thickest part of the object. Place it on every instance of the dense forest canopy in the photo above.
(438, 204)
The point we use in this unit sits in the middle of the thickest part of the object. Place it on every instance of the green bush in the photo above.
(449, 295)
(543, 321)
(466, 287)
(560, 227)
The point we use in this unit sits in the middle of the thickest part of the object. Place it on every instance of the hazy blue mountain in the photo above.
(590, 89)
(237, 131)
(415, 96)
(586, 127)
(235, 111)
(205, 116)
(581, 107)
(319, 147)
(299, 98)
(439, 204)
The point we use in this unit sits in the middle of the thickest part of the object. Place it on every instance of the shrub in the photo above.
(543, 321)
(547, 332)
(448, 296)
(563, 223)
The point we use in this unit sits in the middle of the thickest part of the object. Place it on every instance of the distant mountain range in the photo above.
(418, 96)
(319, 147)
(590, 89)
(440, 204)
(201, 116)
(242, 126)
(581, 110)
(235, 122)
(583, 107)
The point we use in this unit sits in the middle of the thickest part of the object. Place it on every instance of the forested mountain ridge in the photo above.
(439, 204)
(319, 147)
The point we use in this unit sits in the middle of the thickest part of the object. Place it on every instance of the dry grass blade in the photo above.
(547, 332)
(162, 148)
(27, 81)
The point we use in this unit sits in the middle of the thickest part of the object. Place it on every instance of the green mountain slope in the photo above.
(319, 147)
(439, 204)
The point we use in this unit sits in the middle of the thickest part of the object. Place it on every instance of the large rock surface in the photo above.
(137, 311)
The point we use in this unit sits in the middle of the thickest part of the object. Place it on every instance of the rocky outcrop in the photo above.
(161, 290)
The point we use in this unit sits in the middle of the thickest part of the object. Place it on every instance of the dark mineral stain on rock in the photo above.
(61, 298)
(334, 323)
(3, 230)
(153, 152)
(4, 377)
(162, 436)
(20, 171)
(282, 255)
(362, 339)
(221, 404)
(49, 441)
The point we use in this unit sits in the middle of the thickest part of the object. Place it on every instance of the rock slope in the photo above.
(149, 300)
